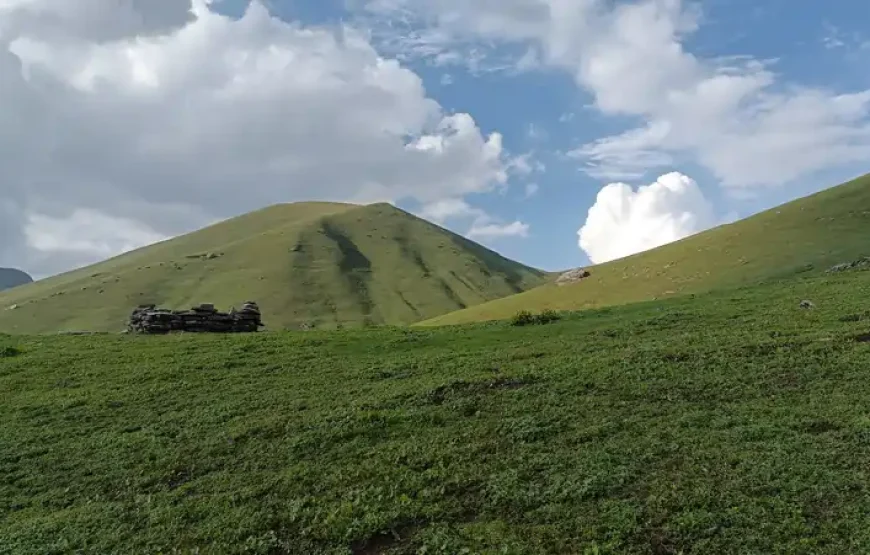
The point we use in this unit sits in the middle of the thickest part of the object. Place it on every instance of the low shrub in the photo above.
(548, 316)
(523, 318)
(9, 352)
(526, 318)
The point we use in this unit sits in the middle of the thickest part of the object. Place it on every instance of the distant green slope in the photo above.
(819, 230)
(308, 263)
(10, 277)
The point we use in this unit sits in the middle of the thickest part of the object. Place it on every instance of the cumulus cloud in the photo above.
(735, 116)
(152, 118)
(96, 20)
(624, 221)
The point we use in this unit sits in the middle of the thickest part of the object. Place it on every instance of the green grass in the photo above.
(734, 422)
(807, 235)
(320, 264)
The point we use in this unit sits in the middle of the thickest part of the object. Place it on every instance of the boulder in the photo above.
(572, 276)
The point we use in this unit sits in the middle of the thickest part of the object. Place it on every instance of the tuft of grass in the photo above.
(523, 318)
(807, 236)
(734, 422)
(526, 318)
(9, 352)
(312, 264)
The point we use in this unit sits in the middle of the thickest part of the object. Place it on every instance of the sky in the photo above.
(560, 133)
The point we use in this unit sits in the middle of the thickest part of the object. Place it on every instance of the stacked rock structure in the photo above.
(204, 318)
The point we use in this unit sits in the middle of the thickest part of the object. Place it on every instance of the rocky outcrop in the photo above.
(204, 318)
(860, 264)
(10, 278)
(572, 276)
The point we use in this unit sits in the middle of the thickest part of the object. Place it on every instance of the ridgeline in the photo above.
(805, 236)
(311, 265)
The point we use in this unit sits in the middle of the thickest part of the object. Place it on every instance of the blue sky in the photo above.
(813, 44)
(559, 133)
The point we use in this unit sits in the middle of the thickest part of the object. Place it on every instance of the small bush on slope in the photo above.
(526, 318)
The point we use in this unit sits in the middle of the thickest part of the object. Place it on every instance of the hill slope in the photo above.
(731, 423)
(308, 263)
(10, 277)
(808, 234)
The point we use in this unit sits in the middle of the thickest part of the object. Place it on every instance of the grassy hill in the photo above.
(808, 234)
(732, 423)
(10, 277)
(308, 263)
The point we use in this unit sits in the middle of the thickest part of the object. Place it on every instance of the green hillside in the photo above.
(735, 422)
(806, 235)
(10, 277)
(316, 264)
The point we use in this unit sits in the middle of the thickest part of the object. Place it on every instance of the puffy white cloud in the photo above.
(735, 116)
(152, 118)
(624, 221)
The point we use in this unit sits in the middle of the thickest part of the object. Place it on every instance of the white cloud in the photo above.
(836, 38)
(482, 226)
(745, 123)
(536, 133)
(426, 31)
(628, 156)
(532, 189)
(498, 231)
(96, 20)
(154, 118)
(623, 221)
(85, 235)
(443, 210)
(522, 165)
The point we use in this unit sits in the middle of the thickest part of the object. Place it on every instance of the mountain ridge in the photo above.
(307, 265)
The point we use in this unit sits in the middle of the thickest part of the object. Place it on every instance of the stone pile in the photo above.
(204, 318)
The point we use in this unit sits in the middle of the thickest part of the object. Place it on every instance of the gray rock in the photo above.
(807, 305)
(204, 318)
(861, 263)
(572, 276)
